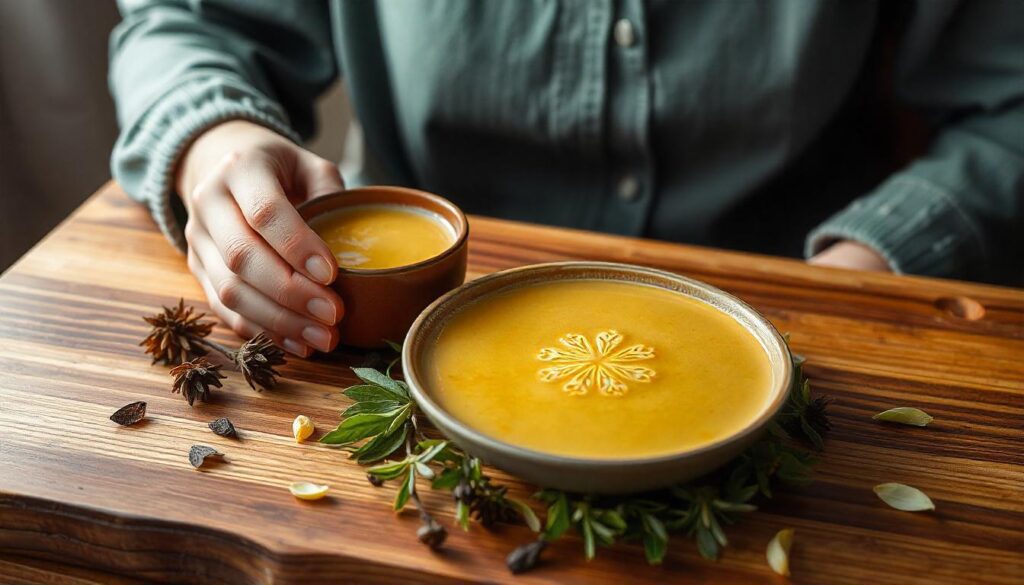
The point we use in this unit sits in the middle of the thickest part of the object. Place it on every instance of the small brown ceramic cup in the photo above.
(380, 305)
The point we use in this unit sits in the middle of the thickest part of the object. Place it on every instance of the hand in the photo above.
(261, 266)
(852, 255)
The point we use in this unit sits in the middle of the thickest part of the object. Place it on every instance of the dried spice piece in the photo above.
(256, 360)
(129, 414)
(176, 334)
(905, 415)
(903, 497)
(374, 480)
(777, 552)
(198, 454)
(194, 378)
(486, 502)
(525, 557)
(223, 427)
(431, 533)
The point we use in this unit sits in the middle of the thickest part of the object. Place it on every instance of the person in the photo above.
(765, 126)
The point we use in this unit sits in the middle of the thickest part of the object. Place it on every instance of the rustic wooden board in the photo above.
(78, 491)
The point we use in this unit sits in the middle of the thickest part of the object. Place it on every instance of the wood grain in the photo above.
(102, 503)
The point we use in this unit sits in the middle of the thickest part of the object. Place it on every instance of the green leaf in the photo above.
(654, 548)
(707, 546)
(614, 519)
(371, 393)
(653, 525)
(462, 514)
(397, 347)
(381, 446)
(733, 506)
(903, 497)
(376, 378)
(424, 470)
(390, 470)
(398, 419)
(447, 479)
(558, 517)
(408, 484)
(604, 534)
(527, 513)
(589, 549)
(385, 407)
(431, 451)
(905, 415)
(357, 427)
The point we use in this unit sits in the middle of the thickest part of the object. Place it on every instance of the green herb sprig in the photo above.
(383, 420)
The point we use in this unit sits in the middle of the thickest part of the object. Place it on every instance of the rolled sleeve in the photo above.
(147, 153)
(917, 226)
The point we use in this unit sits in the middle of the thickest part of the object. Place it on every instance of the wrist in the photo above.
(853, 255)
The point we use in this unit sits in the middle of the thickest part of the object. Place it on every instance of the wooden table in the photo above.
(83, 497)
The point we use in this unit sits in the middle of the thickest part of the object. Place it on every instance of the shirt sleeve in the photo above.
(959, 210)
(178, 67)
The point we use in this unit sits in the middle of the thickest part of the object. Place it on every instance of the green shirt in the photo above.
(769, 126)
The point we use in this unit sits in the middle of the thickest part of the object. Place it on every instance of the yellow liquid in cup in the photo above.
(598, 369)
(372, 237)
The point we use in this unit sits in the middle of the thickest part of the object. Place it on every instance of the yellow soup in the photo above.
(598, 369)
(383, 236)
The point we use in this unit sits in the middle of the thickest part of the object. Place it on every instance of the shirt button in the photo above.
(629, 188)
(624, 34)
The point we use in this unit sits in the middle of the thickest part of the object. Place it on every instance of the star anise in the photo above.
(194, 378)
(256, 360)
(176, 335)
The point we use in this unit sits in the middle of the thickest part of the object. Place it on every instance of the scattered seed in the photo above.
(305, 490)
(129, 414)
(374, 480)
(777, 552)
(198, 454)
(904, 497)
(223, 427)
(302, 428)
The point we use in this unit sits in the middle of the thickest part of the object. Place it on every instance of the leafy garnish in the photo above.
(905, 415)
(386, 419)
(903, 497)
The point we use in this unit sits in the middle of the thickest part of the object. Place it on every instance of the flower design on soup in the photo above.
(585, 366)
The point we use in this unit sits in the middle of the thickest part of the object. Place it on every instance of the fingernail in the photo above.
(295, 347)
(318, 337)
(319, 268)
(322, 309)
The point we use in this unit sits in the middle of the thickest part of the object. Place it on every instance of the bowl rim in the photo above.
(461, 231)
(436, 412)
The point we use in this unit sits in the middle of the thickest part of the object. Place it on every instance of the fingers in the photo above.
(239, 324)
(222, 231)
(318, 177)
(237, 295)
(259, 194)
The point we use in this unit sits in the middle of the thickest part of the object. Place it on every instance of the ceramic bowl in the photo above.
(600, 476)
(381, 304)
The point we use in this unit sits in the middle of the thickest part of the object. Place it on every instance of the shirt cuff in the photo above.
(914, 224)
(147, 153)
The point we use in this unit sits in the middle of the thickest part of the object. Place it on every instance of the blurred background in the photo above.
(57, 123)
